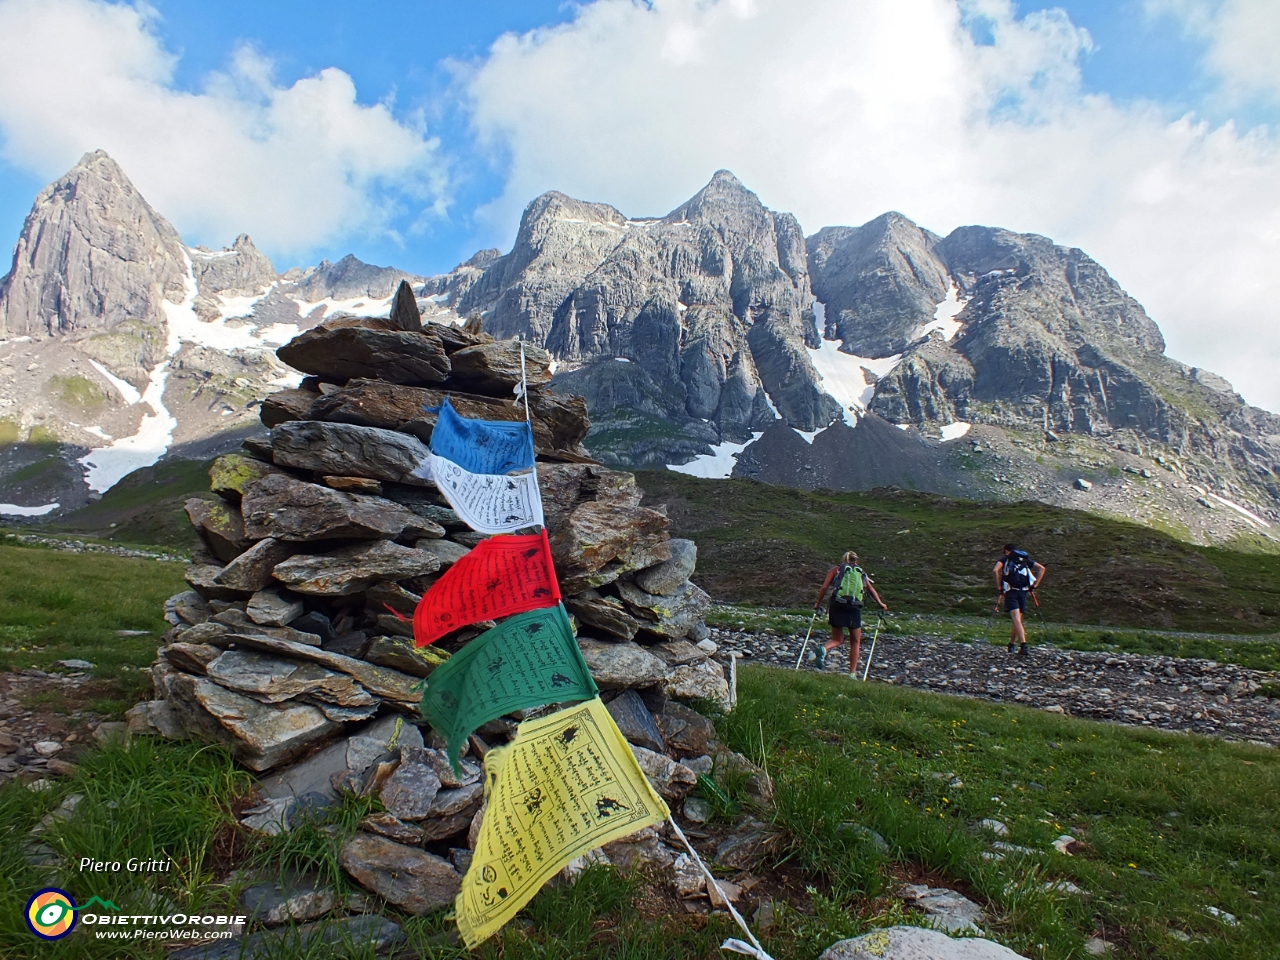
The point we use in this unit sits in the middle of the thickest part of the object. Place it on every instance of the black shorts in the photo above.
(1015, 600)
(843, 615)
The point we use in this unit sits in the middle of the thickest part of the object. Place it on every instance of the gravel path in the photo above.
(1168, 693)
(79, 546)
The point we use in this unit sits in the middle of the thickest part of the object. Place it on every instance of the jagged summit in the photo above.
(92, 255)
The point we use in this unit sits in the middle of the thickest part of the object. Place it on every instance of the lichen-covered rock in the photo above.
(673, 615)
(290, 509)
(606, 614)
(621, 665)
(353, 569)
(231, 473)
(916, 943)
(669, 576)
(345, 450)
(220, 526)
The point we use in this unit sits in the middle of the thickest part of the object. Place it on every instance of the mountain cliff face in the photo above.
(710, 306)
(119, 343)
(714, 339)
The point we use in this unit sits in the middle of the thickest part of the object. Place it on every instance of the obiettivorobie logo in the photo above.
(51, 913)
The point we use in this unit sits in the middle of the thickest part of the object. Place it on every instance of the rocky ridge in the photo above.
(716, 339)
(294, 646)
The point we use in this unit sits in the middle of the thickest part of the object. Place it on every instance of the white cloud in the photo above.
(1243, 38)
(839, 111)
(294, 166)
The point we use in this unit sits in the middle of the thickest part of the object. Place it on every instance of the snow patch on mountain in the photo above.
(128, 392)
(944, 317)
(107, 466)
(13, 510)
(717, 465)
(954, 431)
(356, 307)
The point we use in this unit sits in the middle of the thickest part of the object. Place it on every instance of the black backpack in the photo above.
(1017, 571)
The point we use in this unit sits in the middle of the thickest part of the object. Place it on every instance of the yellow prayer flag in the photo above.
(566, 784)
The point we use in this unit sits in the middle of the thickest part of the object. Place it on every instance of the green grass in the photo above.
(152, 801)
(77, 391)
(146, 507)
(1259, 654)
(1173, 823)
(56, 605)
(10, 430)
(771, 546)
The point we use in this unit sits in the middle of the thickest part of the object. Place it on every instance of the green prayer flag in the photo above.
(526, 661)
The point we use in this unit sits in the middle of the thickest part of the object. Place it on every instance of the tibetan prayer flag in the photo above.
(526, 661)
(489, 502)
(500, 577)
(482, 446)
(566, 784)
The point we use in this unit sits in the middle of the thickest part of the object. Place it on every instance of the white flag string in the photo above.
(752, 949)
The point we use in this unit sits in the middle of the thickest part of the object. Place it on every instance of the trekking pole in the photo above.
(805, 646)
(872, 652)
(990, 619)
(1040, 611)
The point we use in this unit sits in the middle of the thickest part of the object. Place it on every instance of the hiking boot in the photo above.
(1022, 651)
(820, 658)
(1011, 646)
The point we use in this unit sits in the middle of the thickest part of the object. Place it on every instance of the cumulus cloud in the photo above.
(294, 166)
(839, 111)
(1243, 37)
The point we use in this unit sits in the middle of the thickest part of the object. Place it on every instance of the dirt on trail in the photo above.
(1167, 693)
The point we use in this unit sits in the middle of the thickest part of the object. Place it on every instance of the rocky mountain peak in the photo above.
(92, 255)
(238, 270)
(350, 279)
(880, 282)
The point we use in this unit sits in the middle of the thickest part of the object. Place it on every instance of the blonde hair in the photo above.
(850, 557)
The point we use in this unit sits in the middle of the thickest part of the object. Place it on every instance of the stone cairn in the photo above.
(294, 645)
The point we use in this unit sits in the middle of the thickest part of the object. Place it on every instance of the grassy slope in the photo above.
(1174, 824)
(56, 605)
(143, 508)
(768, 545)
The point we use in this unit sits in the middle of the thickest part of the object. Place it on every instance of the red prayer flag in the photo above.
(501, 576)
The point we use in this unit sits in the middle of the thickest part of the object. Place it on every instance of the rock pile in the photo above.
(294, 644)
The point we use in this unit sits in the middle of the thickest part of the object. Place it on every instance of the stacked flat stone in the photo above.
(294, 644)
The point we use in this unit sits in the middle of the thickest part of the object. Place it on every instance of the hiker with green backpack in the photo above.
(845, 611)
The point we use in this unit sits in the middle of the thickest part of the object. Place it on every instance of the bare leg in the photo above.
(1019, 631)
(855, 650)
(837, 638)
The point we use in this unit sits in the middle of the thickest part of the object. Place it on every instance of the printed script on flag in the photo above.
(482, 446)
(489, 502)
(526, 661)
(567, 784)
(501, 576)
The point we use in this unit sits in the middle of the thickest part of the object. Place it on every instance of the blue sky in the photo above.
(400, 50)
(413, 133)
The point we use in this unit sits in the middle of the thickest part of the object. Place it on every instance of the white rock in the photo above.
(46, 748)
(996, 827)
(916, 943)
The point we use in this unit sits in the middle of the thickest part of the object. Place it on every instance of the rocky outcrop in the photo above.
(92, 255)
(710, 304)
(879, 282)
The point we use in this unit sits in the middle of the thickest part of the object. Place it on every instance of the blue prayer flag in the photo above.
(482, 446)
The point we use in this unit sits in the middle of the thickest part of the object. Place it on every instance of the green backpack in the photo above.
(849, 591)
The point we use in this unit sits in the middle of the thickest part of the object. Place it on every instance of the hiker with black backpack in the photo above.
(1017, 576)
(845, 611)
